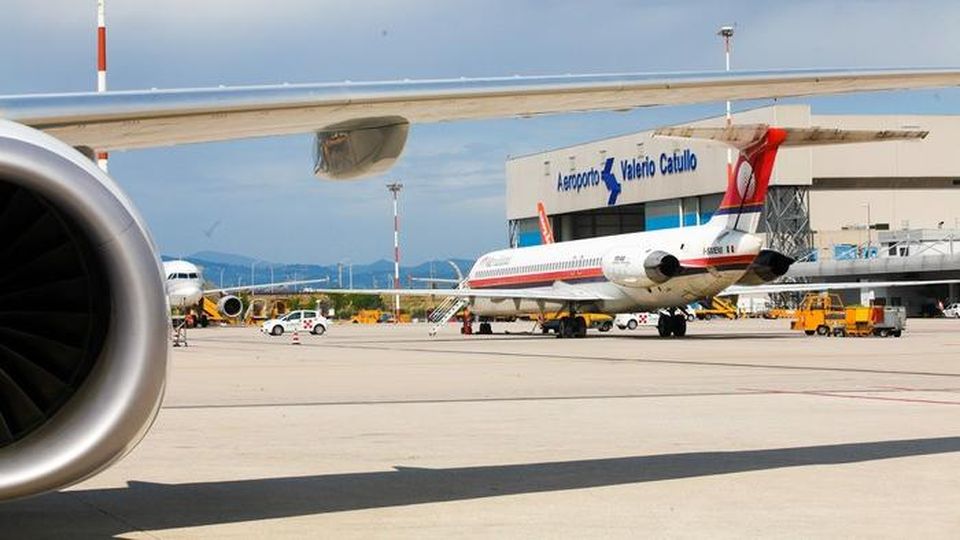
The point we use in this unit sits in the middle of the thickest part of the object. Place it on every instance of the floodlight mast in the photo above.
(395, 189)
(726, 32)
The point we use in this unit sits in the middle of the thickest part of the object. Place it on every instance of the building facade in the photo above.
(639, 182)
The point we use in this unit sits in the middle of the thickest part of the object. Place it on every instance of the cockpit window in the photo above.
(193, 275)
(172, 276)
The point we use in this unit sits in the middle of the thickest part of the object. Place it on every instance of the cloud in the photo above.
(454, 200)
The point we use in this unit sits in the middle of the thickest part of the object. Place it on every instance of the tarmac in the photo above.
(742, 429)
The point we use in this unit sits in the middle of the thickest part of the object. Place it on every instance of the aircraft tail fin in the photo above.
(546, 230)
(747, 185)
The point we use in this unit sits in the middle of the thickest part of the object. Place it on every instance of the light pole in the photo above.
(726, 32)
(395, 189)
(221, 276)
(252, 281)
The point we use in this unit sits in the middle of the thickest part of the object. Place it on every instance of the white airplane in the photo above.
(656, 270)
(76, 407)
(184, 284)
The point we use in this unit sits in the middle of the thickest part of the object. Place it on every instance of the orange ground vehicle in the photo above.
(820, 314)
(824, 314)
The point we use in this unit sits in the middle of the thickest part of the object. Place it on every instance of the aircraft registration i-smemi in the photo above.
(655, 270)
(80, 263)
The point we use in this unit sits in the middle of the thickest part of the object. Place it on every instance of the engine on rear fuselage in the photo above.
(638, 267)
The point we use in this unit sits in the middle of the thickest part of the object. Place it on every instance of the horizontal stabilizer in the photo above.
(742, 136)
(826, 286)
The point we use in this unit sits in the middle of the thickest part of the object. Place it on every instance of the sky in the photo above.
(260, 193)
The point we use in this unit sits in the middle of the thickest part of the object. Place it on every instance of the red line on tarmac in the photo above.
(875, 398)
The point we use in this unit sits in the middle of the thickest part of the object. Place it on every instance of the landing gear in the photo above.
(679, 325)
(672, 323)
(665, 325)
(572, 327)
(485, 329)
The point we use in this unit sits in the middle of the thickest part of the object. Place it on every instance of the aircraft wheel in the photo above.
(566, 328)
(663, 326)
(276, 330)
(486, 329)
(579, 327)
(679, 325)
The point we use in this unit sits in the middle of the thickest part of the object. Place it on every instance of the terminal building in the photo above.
(840, 210)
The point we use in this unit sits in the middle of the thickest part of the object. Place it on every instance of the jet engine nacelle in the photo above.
(358, 148)
(768, 266)
(636, 267)
(230, 305)
(83, 320)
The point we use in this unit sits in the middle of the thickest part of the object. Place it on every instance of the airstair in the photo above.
(447, 310)
(210, 310)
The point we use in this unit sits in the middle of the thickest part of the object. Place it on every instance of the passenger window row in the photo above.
(539, 268)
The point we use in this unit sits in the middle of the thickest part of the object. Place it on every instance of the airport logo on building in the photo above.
(633, 169)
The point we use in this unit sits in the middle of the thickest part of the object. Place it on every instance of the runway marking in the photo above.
(466, 400)
(876, 398)
(647, 360)
(428, 401)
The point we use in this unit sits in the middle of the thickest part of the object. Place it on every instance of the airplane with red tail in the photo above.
(656, 270)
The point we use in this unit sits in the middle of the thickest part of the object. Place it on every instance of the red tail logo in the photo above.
(748, 186)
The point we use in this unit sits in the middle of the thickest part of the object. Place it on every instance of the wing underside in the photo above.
(140, 119)
(548, 294)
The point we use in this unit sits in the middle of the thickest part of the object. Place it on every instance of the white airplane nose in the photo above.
(185, 296)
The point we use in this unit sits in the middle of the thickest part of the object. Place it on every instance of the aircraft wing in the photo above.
(817, 287)
(557, 294)
(140, 119)
(265, 286)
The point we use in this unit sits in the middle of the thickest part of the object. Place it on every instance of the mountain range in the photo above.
(228, 270)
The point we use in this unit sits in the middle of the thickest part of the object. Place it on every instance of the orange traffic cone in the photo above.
(296, 337)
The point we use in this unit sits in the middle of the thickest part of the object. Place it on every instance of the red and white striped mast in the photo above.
(102, 157)
(395, 189)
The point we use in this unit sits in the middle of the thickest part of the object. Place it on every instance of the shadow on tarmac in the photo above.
(151, 506)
